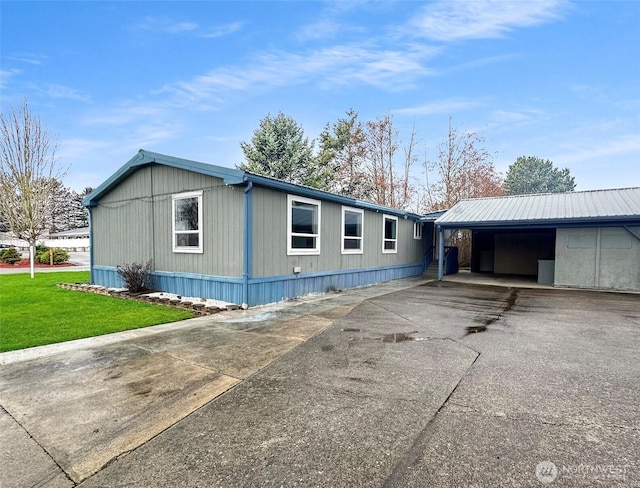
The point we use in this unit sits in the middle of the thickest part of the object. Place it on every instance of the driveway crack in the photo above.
(47, 453)
(414, 453)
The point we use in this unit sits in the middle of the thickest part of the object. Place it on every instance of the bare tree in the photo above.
(464, 169)
(392, 187)
(28, 168)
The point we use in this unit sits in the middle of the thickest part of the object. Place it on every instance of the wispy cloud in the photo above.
(28, 58)
(452, 20)
(124, 114)
(6, 75)
(451, 106)
(624, 144)
(390, 69)
(167, 26)
(221, 30)
(64, 92)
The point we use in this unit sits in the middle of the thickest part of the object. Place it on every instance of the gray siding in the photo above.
(604, 257)
(270, 240)
(133, 223)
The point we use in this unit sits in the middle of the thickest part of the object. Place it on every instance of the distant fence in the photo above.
(78, 245)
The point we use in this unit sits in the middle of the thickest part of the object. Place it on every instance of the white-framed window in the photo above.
(303, 225)
(186, 214)
(417, 230)
(352, 219)
(389, 234)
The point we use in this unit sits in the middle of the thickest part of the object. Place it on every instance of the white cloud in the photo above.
(452, 20)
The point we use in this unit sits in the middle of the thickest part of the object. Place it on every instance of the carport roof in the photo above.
(596, 207)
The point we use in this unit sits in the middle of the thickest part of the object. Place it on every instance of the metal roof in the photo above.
(547, 209)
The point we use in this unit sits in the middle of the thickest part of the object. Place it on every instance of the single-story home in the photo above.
(586, 239)
(232, 235)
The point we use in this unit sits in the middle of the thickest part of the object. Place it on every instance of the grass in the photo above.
(34, 312)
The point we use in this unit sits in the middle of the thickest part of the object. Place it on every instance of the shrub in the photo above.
(41, 248)
(59, 256)
(136, 276)
(10, 256)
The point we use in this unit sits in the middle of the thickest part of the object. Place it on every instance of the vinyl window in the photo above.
(389, 234)
(186, 213)
(303, 225)
(352, 219)
(417, 230)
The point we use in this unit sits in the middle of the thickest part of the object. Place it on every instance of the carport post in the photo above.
(440, 253)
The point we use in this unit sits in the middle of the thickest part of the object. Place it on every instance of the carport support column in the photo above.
(440, 253)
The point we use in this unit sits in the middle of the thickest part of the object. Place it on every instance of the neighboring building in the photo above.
(232, 235)
(79, 233)
(587, 239)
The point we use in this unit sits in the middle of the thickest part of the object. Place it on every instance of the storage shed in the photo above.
(231, 235)
(588, 239)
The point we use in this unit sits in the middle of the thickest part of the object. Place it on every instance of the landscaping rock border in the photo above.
(197, 308)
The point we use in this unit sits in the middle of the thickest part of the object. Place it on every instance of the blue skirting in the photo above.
(262, 290)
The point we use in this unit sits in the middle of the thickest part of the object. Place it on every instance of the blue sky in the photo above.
(547, 78)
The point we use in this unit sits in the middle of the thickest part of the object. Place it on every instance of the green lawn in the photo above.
(35, 311)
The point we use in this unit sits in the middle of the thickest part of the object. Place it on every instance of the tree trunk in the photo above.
(32, 252)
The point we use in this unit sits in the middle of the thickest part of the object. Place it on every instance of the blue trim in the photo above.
(90, 246)
(272, 289)
(247, 243)
(225, 288)
(262, 290)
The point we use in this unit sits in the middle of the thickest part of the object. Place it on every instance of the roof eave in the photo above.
(632, 220)
(230, 176)
(317, 194)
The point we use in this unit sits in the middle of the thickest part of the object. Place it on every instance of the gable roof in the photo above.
(594, 207)
(230, 176)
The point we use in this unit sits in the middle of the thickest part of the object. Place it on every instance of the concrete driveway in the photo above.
(384, 386)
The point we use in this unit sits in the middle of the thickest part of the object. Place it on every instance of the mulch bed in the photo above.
(24, 263)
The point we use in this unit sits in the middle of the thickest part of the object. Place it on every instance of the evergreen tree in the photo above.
(534, 175)
(280, 150)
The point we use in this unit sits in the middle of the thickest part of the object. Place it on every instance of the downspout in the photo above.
(247, 244)
(440, 253)
(90, 248)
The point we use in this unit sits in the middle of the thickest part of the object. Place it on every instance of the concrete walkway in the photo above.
(379, 387)
(68, 409)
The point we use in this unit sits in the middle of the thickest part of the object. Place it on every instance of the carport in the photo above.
(588, 239)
